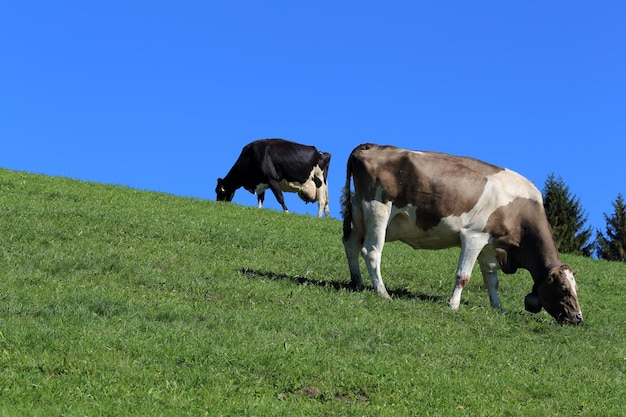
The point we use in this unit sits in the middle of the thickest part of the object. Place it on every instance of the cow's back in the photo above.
(431, 181)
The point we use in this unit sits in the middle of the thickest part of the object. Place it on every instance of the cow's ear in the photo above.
(575, 271)
(220, 185)
(502, 256)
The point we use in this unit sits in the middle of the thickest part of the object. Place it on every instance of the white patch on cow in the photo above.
(572, 281)
(501, 188)
(402, 226)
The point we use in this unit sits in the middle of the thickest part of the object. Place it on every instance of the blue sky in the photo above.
(162, 96)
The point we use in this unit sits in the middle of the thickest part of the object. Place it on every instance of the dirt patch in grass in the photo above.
(318, 394)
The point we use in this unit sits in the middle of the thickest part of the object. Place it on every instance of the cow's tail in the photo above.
(346, 203)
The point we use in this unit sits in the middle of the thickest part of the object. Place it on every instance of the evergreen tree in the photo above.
(613, 247)
(567, 218)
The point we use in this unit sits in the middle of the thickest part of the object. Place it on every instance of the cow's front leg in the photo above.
(260, 198)
(472, 243)
(275, 187)
(489, 268)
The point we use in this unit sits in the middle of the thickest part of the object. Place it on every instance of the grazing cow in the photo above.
(431, 200)
(279, 165)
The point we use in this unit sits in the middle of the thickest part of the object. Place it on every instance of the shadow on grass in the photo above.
(402, 293)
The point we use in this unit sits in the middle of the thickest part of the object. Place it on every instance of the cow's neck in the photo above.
(541, 257)
(233, 180)
(540, 270)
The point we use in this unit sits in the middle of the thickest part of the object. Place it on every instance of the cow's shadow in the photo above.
(401, 293)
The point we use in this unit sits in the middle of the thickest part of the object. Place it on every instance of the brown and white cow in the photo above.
(432, 200)
(279, 165)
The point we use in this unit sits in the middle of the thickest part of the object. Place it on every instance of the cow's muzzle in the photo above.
(575, 320)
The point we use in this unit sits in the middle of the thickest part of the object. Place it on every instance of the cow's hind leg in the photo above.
(352, 237)
(489, 268)
(322, 200)
(376, 215)
(472, 243)
(326, 209)
(352, 246)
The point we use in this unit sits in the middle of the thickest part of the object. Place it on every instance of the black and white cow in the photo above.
(432, 200)
(279, 165)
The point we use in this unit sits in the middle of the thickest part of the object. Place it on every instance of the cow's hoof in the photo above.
(385, 295)
(532, 303)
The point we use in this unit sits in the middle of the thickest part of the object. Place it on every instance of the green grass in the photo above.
(115, 301)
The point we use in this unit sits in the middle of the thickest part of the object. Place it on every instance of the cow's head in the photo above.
(223, 192)
(558, 295)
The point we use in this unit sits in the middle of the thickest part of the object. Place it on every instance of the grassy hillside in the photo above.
(115, 301)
